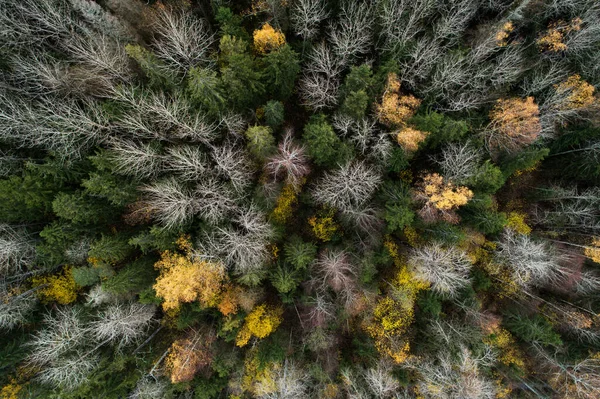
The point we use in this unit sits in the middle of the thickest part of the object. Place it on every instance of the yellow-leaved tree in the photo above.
(268, 39)
(441, 198)
(184, 279)
(259, 323)
(395, 109)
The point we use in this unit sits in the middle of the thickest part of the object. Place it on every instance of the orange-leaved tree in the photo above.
(189, 355)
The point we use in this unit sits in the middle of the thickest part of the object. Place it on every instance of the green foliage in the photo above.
(481, 280)
(133, 277)
(205, 88)
(153, 68)
(523, 160)
(323, 145)
(260, 141)
(112, 249)
(355, 104)
(209, 388)
(281, 67)
(58, 237)
(79, 208)
(357, 91)
(398, 213)
(442, 128)
(398, 160)
(86, 276)
(481, 213)
(444, 232)
(299, 253)
(488, 180)
(429, 303)
(241, 79)
(274, 113)
(535, 329)
(155, 239)
(114, 189)
(231, 24)
(285, 281)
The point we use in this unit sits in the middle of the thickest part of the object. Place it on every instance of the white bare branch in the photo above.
(447, 269)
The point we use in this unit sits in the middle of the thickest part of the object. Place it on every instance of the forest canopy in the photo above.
(299, 199)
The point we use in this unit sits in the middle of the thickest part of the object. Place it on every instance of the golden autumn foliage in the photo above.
(323, 225)
(503, 34)
(183, 279)
(389, 323)
(516, 222)
(441, 198)
(593, 251)
(189, 355)
(581, 92)
(444, 195)
(395, 109)
(394, 314)
(259, 323)
(515, 123)
(59, 288)
(409, 138)
(268, 39)
(11, 390)
(553, 39)
(285, 203)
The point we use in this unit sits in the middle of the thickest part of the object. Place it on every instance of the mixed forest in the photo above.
(299, 199)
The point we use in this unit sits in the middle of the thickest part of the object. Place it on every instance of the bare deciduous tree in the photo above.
(68, 372)
(17, 249)
(183, 40)
(306, 16)
(447, 269)
(63, 332)
(234, 165)
(290, 163)
(288, 382)
(335, 270)
(214, 200)
(122, 324)
(459, 162)
(14, 309)
(187, 161)
(450, 379)
(149, 388)
(532, 262)
(350, 37)
(348, 187)
(320, 80)
(170, 203)
(139, 160)
(402, 20)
